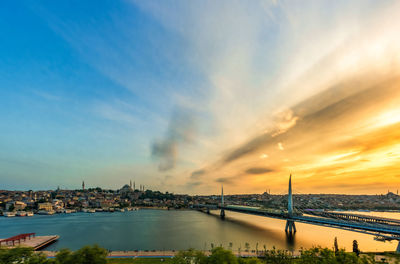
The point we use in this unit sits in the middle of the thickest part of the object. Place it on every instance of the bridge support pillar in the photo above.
(222, 214)
(398, 248)
(290, 227)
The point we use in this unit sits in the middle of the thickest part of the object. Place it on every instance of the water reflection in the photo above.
(290, 240)
(163, 230)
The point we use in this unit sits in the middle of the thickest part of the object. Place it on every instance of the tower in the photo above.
(222, 195)
(290, 226)
(130, 184)
(83, 185)
(222, 213)
(134, 187)
(290, 198)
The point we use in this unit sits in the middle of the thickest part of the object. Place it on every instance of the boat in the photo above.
(91, 210)
(43, 212)
(67, 211)
(21, 213)
(29, 213)
(9, 214)
(380, 238)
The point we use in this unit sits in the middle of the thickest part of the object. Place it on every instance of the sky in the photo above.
(186, 96)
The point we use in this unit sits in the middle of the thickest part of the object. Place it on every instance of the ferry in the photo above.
(9, 214)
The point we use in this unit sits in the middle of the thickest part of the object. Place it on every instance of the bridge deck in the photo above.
(351, 222)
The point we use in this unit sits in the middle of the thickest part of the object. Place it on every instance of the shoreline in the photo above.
(189, 209)
(378, 256)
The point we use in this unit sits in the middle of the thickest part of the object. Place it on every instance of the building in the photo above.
(45, 206)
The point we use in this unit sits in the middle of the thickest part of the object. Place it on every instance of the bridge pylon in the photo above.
(222, 213)
(290, 226)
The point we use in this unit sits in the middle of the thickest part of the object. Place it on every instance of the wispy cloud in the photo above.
(299, 81)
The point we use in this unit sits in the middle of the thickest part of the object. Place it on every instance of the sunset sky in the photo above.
(184, 96)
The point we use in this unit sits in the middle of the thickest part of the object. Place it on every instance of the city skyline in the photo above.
(184, 97)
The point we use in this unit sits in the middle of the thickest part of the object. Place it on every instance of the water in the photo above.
(164, 230)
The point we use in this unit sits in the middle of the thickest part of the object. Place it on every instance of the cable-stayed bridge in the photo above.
(381, 228)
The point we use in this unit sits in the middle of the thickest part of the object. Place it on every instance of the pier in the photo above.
(28, 240)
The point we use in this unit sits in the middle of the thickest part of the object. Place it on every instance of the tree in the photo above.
(190, 256)
(279, 256)
(86, 255)
(355, 248)
(230, 245)
(247, 246)
(22, 255)
(249, 261)
(11, 208)
(222, 256)
(336, 246)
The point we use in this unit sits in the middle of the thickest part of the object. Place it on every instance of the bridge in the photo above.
(380, 227)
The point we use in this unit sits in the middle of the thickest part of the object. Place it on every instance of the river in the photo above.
(149, 229)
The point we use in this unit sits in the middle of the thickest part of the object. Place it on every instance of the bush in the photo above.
(86, 255)
(190, 256)
(22, 255)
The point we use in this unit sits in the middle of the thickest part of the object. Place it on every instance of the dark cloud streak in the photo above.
(181, 130)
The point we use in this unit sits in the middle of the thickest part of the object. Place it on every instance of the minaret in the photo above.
(290, 198)
(130, 184)
(134, 187)
(83, 185)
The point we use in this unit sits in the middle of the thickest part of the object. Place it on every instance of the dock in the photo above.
(29, 240)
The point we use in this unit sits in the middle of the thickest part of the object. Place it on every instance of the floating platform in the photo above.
(29, 240)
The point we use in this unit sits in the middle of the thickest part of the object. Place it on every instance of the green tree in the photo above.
(336, 246)
(249, 261)
(230, 246)
(355, 248)
(64, 256)
(190, 256)
(11, 208)
(86, 255)
(279, 256)
(22, 255)
(247, 246)
(222, 256)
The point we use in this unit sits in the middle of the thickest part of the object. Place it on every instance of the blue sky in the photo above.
(161, 92)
